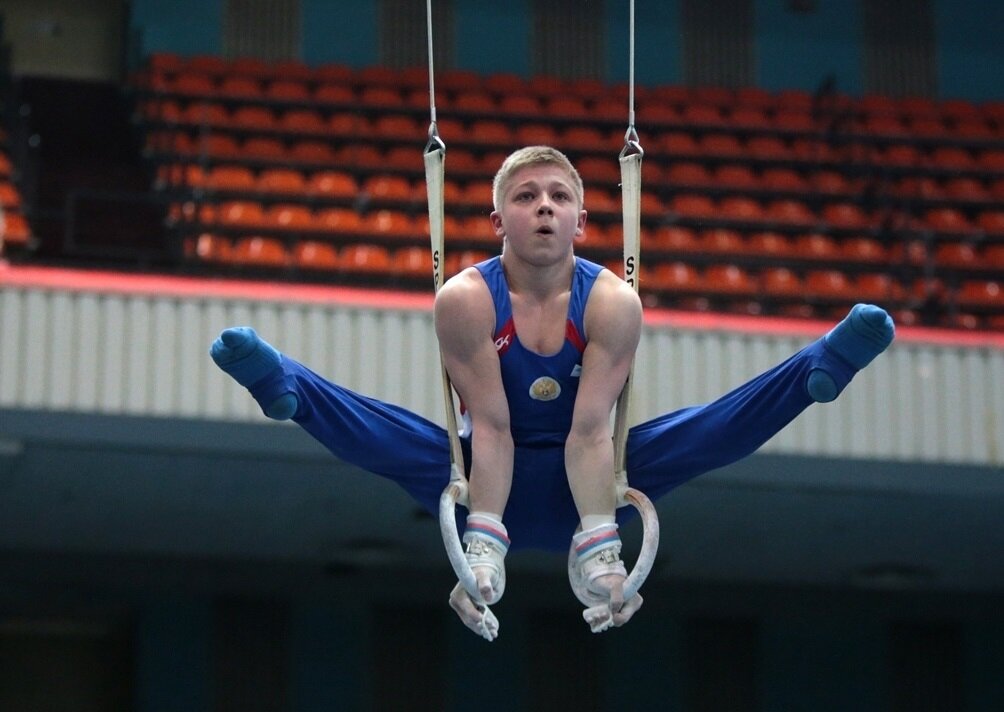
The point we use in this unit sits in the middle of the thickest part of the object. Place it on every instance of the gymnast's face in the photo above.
(540, 214)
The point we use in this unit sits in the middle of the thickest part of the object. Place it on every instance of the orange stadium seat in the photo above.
(722, 241)
(719, 144)
(412, 261)
(546, 85)
(292, 69)
(673, 277)
(956, 254)
(993, 256)
(729, 279)
(380, 97)
(828, 284)
(582, 138)
(241, 214)
(477, 194)
(693, 205)
(202, 113)
(600, 170)
(952, 157)
(333, 72)
(781, 282)
(688, 173)
(767, 243)
(980, 294)
(390, 223)
(189, 84)
(877, 287)
(388, 188)
(967, 189)
(734, 175)
(793, 121)
(10, 197)
(332, 185)
(489, 131)
(287, 90)
(210, 248)
(754, 97)
(783, 180)
(750, 117)
(398, 127)
(262, 251)
(208, 64)
(677, 143)
(253, 117)
(566, 106)
(991, 159)
(845, 216)
(6, 168)
(339, 220)
(365, 259)
(334, 94)
(503, 83)
(673, 238)
(230, 178)
(740, 207)
(790, 211)
(863, 249)
(947, 220)
(311, 152)
(518, 104)
(991, 221)
(378, 75)
(769, 148)
(243, 88)
(814, 246)
(264, 147)
(289, 218)
(534, 134)
(14, 228)
(453, 80)
(284, 181)
(705, 115)
(475, 101)
(249, 67)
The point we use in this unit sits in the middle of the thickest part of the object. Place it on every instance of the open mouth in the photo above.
(544, 230)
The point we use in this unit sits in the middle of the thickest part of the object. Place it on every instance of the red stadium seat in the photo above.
(673, 238)
(729, 279)
(365, 259)
(829, 284)
(230, 178)
(814, 246)
(263, 251)
(284, 181)
(210, 248)
(980, 294)
(723, 241)
(781, 282)
(769, 244)
(312, 254)
(688, 173)
(338, 220)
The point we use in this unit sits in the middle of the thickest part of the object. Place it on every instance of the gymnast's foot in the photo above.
(863, 334)
(240, 352)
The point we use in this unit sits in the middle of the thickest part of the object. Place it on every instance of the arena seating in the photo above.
(754, 202)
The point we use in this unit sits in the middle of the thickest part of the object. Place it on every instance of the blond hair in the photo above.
(534, 156)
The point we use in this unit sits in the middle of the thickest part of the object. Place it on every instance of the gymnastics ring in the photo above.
(646, 557)
(456, 492)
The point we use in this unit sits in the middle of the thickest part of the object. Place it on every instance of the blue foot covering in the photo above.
(247, 358)
(863, 334)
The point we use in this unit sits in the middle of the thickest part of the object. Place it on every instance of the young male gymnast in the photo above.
(538, 344)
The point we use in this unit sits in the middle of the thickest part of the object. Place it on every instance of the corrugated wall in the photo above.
(148, 355)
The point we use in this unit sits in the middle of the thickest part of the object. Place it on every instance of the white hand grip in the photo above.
(646, 557)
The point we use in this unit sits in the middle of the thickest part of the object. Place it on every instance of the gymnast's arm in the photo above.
(613, 328)
(465, 325)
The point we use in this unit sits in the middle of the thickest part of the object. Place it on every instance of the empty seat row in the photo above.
(169, 66)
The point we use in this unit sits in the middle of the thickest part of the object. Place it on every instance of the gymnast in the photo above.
(538, 344)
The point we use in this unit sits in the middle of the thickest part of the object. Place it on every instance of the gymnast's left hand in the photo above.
(476, 617)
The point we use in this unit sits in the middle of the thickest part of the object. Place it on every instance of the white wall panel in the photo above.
(148, 355)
